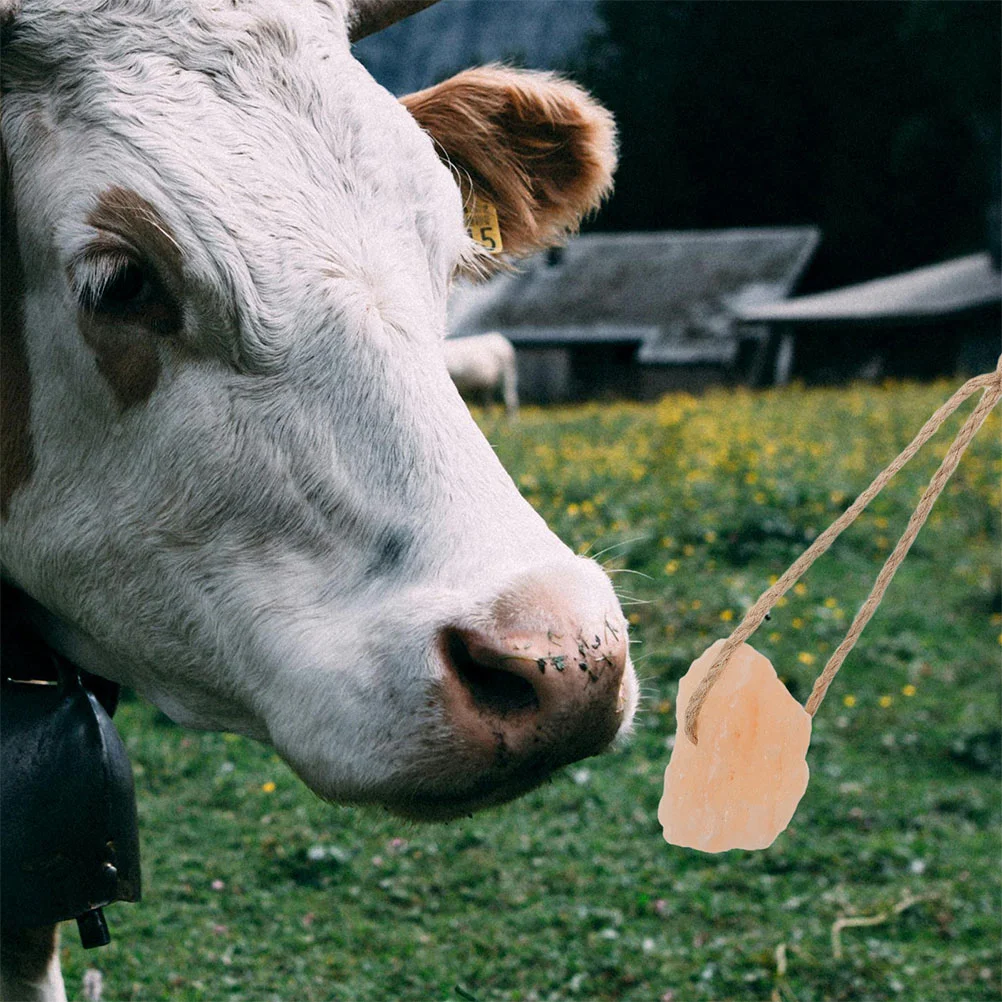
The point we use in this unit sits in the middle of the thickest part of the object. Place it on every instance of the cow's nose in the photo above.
(538, 676)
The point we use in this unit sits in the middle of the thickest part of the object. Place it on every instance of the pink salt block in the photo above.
(737, 788)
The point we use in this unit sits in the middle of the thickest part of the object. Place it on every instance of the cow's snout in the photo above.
(538, 678)
(492, 693)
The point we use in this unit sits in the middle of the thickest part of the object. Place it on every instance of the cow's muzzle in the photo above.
(540, 677)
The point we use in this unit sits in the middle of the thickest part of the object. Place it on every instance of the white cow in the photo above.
(482, 366)
(235, 473)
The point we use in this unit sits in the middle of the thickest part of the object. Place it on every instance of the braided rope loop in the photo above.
(991, 384)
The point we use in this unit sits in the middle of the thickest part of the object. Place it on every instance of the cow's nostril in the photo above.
(501, 693)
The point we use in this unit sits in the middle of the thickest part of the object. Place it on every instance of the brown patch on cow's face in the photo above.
(127, 357)
(125, 320)
(137, 220)
(17, 458)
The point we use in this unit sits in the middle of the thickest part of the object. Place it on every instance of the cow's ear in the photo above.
(537, 147)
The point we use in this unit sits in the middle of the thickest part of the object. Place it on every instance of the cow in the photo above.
(236, 476)
(482, 366)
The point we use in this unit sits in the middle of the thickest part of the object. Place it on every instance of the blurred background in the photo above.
(812, 146)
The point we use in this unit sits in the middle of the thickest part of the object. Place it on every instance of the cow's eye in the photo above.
(120, 288)
(128, 286)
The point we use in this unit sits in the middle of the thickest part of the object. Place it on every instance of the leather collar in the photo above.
(26, 657)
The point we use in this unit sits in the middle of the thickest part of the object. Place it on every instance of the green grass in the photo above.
(571, 893)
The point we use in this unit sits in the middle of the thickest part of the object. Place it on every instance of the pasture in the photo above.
(254, 889)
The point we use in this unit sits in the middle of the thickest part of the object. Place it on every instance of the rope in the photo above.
(991, 384)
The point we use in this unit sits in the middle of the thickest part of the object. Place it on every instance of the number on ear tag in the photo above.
(482, 225)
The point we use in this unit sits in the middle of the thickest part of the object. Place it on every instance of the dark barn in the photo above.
(634, 314)
(939, 320)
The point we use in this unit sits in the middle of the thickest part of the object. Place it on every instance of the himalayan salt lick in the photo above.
(737, 788)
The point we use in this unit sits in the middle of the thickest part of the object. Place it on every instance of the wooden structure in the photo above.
(633, 314)
(937, 320)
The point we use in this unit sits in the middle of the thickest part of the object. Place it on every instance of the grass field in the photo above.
(256, 890)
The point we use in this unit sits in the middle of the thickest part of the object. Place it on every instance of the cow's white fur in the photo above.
(271, 543)
(218, 547)
(483, 365)
(35, 975)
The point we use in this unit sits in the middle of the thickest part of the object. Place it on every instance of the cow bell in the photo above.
(69, 840)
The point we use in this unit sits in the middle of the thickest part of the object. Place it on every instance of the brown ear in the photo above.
(536, 146)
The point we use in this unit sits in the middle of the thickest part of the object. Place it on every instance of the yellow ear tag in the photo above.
(482, 225)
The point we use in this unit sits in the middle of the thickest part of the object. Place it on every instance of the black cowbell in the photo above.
(69, 840)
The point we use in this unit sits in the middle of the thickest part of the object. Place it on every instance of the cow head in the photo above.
(236, 475)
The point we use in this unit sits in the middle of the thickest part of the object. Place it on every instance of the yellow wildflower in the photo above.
(849, 701)
(805, 659)
(909, 690)
(885, 701)
(268, 787)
